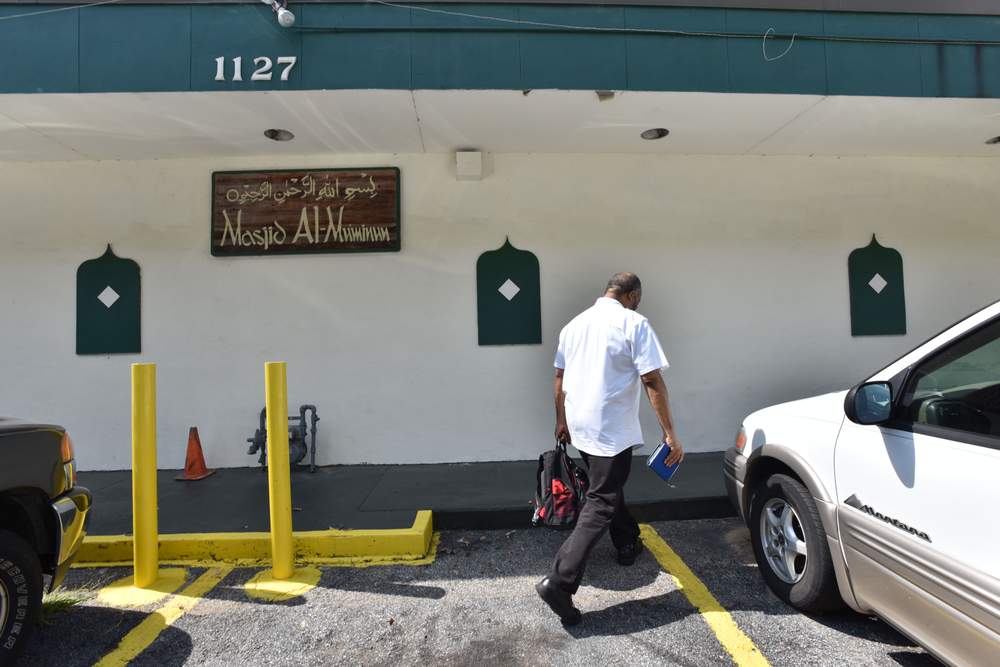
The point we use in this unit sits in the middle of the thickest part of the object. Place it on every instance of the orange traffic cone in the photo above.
(194, 466)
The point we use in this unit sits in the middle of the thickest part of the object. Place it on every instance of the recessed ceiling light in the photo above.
(655, 133)
(278, 135)
(994, 140)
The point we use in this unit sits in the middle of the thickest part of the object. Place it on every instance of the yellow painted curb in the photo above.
(344, 561)
(402, 544)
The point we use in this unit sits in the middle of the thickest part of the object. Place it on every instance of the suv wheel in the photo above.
(20, 594)
(790, 546)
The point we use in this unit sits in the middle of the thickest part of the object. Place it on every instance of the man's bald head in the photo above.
(623, 283)
(626, 288)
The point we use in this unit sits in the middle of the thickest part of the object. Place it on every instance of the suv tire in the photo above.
(20, 594)
(807, 582)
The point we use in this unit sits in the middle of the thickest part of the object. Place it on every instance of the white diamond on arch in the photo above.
(877, 283)
(509, 289)
(108, 297)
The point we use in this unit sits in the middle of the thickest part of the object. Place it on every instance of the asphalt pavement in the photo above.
(475, 604)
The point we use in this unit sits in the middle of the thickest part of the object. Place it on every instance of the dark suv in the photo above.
(43, 520)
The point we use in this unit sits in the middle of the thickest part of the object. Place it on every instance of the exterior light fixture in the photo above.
(275, 134)
(993, 141)
(286, 19)
(605, 95)
(655, 133)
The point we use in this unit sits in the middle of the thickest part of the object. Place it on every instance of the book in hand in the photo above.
(657, 462)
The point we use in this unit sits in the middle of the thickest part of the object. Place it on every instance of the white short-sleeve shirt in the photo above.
(603, 351)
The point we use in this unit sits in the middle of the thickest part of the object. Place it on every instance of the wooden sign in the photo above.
(305, 211)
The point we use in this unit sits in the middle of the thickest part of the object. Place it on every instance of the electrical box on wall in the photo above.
(468, 165)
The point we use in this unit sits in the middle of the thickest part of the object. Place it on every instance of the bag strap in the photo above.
(565, 460)
(538, 479)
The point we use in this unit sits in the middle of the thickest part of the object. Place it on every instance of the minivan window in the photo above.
(959, 389)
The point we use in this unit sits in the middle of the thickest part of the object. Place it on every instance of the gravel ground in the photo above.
(476, 604)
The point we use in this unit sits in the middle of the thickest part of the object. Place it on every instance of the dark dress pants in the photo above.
(605, 509)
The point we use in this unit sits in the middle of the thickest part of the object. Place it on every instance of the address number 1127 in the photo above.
(262, 68)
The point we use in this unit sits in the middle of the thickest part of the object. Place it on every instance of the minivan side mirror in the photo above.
(869, 403)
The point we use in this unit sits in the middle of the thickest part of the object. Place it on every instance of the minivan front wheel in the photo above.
(789, 544)
(783, 540)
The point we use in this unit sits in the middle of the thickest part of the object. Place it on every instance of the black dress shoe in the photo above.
(559, 601)
(628, 553)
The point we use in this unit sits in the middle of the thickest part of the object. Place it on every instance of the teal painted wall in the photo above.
(140, 48)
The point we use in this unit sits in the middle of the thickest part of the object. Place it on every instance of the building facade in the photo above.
(792, 137)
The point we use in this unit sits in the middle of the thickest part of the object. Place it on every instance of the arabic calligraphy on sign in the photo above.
(304, 188)
(322, 210)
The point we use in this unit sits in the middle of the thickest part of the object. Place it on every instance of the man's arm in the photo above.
(562, 430)
(656, 391)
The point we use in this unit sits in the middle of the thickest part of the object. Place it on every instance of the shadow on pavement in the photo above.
(616, 578)
(83, 634)
(232, 589)
(332, 581)
(865, 627)
(633, 616)
(907, 659)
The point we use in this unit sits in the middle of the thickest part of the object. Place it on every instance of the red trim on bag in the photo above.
(562, 499)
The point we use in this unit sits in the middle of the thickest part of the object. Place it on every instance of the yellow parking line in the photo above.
(744, 652)
(144, 634)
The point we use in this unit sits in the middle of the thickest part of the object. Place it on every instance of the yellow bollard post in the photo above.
(148, 582)
(145, 531)
(278, 476)
(282, 581)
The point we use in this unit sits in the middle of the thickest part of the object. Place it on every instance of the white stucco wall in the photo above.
(743, 261)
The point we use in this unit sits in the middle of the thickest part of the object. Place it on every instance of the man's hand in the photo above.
(656, 391)
(562, 434)
(676, 454)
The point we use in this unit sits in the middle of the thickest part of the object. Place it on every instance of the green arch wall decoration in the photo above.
(107, 305)
(878, 302)
(508, 297)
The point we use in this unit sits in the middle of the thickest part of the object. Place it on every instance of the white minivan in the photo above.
(887, 496)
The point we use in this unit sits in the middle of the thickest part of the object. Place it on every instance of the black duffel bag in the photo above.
(560, 490)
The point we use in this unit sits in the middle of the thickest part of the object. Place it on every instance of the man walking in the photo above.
(605, 353)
